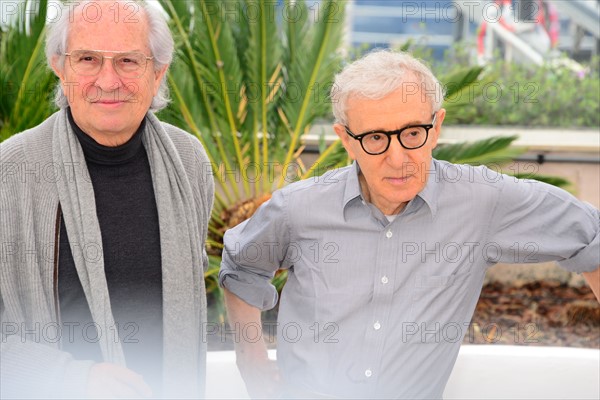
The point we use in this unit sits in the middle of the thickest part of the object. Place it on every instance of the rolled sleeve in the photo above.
(587, 259)
(251, 286)
(253, 251)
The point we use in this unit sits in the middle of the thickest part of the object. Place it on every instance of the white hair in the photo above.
(380, 73)
(160, 42)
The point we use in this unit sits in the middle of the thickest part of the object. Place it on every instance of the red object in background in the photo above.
(546, 16)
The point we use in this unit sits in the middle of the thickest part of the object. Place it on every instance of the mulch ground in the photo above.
(536, 314)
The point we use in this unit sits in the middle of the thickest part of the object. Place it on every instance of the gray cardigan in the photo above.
(32, 363)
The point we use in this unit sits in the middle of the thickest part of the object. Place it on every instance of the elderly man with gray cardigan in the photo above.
(104, 214)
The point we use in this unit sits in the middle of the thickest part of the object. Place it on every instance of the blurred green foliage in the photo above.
(557, 94)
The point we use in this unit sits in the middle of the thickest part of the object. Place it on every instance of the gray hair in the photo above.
(380, 73)
(160, 42)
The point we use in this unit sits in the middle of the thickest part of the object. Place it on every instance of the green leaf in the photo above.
(551, 180)
(27, 82)
(313, 72)
(460, 80)
(494, 150)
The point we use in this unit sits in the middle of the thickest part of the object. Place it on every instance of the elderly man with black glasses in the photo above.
(386, 257)
(104, 213)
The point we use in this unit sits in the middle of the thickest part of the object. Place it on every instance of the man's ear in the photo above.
(340, 130)
(434, 133)
(158, 75)
(59, 71)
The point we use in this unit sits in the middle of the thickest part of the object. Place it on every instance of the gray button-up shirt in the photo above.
(374, 308)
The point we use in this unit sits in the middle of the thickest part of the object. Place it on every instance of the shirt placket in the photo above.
(383, 289)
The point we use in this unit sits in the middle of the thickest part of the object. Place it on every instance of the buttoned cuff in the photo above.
(254, 289)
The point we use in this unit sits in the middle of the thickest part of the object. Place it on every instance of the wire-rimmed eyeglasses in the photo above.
(131, 64)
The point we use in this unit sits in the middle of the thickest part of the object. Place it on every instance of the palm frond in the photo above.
(495, 150)
(551, 180)
(261, 54)
(332, 156)
(463, 87)
(310, 72)
(24, 75)
(460, 79)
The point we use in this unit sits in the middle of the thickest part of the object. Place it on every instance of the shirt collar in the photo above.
(429, 194)
(352, 190)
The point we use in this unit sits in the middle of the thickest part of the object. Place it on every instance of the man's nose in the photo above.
(395, 154)
(107, 78)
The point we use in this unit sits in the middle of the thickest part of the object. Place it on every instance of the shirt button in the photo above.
(384, 279)
(377, 326)
(388, 234)
(368, 373)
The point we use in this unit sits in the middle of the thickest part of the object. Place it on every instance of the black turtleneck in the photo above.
(128, 218)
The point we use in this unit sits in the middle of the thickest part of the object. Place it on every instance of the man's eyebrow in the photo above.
(114, 51)
(409, 123)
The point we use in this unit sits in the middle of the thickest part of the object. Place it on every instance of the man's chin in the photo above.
(400, 196)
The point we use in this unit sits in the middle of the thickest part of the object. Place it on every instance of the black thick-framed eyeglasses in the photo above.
(410, 137)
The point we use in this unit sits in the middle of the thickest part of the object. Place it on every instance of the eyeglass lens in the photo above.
(411, 137)
(127, 65)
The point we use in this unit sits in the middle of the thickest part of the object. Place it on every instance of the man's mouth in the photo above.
(398, 180)
(109, 102)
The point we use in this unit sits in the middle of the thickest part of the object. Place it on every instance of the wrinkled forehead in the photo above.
(410, 98)
(101, 17)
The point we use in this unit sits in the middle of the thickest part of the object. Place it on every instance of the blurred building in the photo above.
(573, 26)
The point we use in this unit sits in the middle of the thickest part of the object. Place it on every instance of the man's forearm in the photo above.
(240, 315)
(593, 279)
(260, 374)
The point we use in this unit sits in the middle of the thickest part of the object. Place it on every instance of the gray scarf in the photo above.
(184, 296)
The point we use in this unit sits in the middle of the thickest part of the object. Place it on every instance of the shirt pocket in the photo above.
(438, 306)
